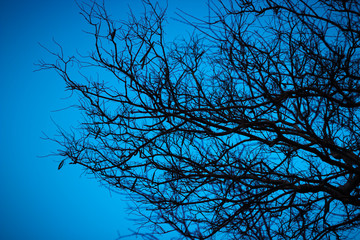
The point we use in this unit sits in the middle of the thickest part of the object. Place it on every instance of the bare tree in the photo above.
(248, 129)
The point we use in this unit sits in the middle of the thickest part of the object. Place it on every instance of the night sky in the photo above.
(36, 200)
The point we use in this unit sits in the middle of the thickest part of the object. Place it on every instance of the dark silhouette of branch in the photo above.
(248, 129)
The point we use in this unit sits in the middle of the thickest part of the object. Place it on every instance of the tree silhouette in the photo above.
(247, 129)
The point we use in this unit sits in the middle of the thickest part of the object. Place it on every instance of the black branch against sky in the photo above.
(247, 129)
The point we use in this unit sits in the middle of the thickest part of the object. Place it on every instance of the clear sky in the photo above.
(36, 200)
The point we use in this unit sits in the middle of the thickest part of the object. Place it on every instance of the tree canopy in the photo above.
(249, 128)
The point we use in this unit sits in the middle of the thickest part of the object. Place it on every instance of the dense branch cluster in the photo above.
(250, 128)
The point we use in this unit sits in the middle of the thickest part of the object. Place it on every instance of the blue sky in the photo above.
(36, 200)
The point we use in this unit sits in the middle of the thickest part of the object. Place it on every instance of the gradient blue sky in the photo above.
(36, 200)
